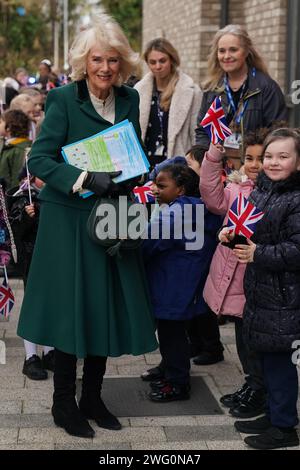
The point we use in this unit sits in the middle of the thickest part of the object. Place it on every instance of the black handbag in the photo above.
(109, 225)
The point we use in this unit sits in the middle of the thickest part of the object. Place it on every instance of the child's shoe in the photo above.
(33, 368)
(256, 426)
(155, 373)
(252, 404)
(158, 384)
(206, 358)
(232, 399)
(170, 393)
(48, 360)
(274, 438)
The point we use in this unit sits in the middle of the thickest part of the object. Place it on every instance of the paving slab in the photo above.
(39, 446)
(158, 421)
(227, 445)
(94, 446)
(11, 383)
(197, 445)
(132, 435)
(26, 422)
(47, 436)
(37, 406)
(201, 433)
(8, 435)
(10, 407)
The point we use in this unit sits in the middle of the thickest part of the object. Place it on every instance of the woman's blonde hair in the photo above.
(106, 33)
(164, 46)
(20, 100)
(214, 70)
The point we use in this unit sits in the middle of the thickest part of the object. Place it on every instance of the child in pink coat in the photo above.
(223, 291)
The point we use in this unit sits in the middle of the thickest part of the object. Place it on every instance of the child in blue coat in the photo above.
(177, 261)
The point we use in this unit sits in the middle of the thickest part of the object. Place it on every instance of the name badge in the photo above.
(159, 151)
(233, 141)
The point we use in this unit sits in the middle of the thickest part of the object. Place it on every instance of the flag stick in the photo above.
(27, 150)
(6, 219)
(5, 273)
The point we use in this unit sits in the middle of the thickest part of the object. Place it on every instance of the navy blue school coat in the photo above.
(177, 275)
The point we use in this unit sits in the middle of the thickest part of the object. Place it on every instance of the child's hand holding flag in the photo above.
(214, 123)
(242, 219)
(245, 253)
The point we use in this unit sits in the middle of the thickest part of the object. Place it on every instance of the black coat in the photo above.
(265, 105)
(272, 281)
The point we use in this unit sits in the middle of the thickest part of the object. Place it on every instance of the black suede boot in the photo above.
(91, 404)
(65, 411)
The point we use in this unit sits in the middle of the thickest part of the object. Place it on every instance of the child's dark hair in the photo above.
(198, 152)
(16, 122)
(256, 137)
(283, 133)
(184, 176)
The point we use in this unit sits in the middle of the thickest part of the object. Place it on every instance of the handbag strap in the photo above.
(115, 249)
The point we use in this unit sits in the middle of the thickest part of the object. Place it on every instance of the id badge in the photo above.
(159, 151)
(233, 141)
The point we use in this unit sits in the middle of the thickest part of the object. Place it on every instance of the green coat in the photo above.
(78, 298)
(12, 161)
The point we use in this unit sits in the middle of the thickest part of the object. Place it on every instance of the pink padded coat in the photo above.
(223, 291)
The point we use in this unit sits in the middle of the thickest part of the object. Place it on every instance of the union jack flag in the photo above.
(243, 216)
(214, 122)
(24, 185)
(7, 299)
(144, 193)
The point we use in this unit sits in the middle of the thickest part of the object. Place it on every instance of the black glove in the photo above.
(100, 182)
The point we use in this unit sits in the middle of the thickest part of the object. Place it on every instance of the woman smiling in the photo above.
(238, 74)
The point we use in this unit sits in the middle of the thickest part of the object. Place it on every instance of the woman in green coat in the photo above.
(78, 299)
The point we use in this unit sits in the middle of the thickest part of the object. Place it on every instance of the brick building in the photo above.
(191, 24)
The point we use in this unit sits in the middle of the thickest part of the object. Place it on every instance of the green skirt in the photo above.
(79, 299)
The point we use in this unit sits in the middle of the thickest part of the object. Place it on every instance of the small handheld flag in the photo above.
(143, 194)
(243, 217)
(214, 122)
(7, 299)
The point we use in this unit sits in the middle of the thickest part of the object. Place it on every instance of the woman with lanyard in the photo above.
(238, 74)
(169, 103)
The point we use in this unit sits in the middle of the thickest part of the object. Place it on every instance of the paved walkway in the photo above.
(26, 423)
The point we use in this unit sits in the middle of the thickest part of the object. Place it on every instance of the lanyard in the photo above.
(232, 103)
(160, 114)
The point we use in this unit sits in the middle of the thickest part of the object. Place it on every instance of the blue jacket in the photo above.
(177, 275)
